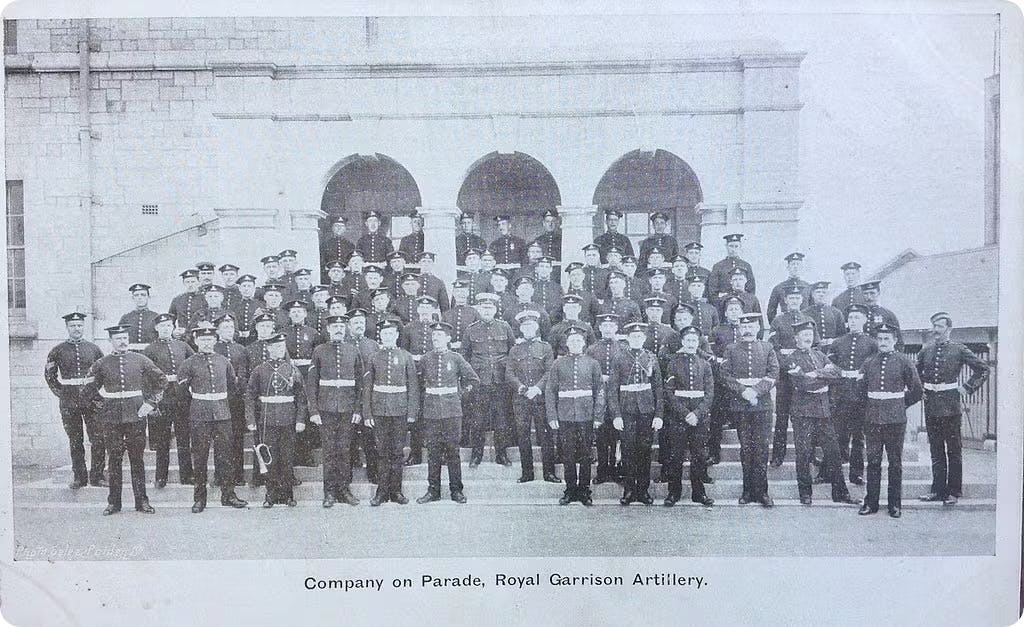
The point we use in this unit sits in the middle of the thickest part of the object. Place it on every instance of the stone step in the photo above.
(489, 491)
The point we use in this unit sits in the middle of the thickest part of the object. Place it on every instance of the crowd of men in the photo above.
(633, 350)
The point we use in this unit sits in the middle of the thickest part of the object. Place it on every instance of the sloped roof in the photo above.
(964, 282)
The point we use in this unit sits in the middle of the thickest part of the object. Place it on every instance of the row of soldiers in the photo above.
(486, 338)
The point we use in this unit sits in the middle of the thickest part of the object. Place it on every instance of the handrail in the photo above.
(162, 237)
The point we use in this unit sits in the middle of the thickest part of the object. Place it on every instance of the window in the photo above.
(16, 248)
(150, 210)
(10, 37)
(637, 226)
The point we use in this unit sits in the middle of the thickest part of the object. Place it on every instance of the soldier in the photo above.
(374, 246)
(783, 340)
(168, 354)
(205, 269)
(273, 298)
(416, 338)
(273, 273)
(300, 340)
(140, 319)
(509, 250)
(246, 309)
(208, 378)
(939, 364)
(127, 387)
(661, 340)
(529, 267)
(637, 408)
(390, 401)
(794, 262)
(289, 266)
(829, 322)
(461, 314)
(595, 278)
(676, 284)
(302, 287)
(655, 259)
(433, 286)
(737, 289)
(407, 301)
(336, 279)
(607, 351)
(572, 309)
(373, 278)
(363, 436)
(719, 280)
(705, 316)
(235, 353)
(229, 281)
(750, 370)
(876, 313)
(547, 292)
(213, 295)
(445, 376)
(185, 305)
(275, 410)
(625, 308)
(499, 286)
(809, 372)
(66, 373)
(486, 345)
(659, 240)
(524, 293)
(683, 317)
(394, 272)
(851, 295)
(892, 385)
(692, 252)
(689, 393)
(724, 334)
(849, 353)
(657, 278)
(355, 280)
(412, 244)
(337, 247)
(320, 310)
(611, 237)
(550, 242)
(479, 281)
(575, 402)
(528, 365)
(614, 257)
(255, 354)
(334, 392)
(577, 278)
(467, 240)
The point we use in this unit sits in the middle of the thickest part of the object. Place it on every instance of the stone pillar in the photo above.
(439, 230)
(305, 238)
(244, 235)
(577, 232)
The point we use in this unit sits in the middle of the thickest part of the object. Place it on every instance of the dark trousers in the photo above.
(720, 417)
(783, 400)
(752, 428)
(390, 434)
(808, 430)
(530, 413)
(849, 419)
(947, 454)
(236, 448)
(362, 437)
(442, 440)
(416, 438)
(576, 439)
(607, 437)
(219, 433)
(491, 407)
(336, 439)
(79, 422)
(888, 437)
(684, 437)
(120, 437)
(281, 440)
(307, 441)
(664, 448)
(171, 417)
(637, 438)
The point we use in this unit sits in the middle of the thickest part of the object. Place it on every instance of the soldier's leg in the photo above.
(450, 450)
(642, 459)
(677, 437)
(570, 441)
(237, 441)
(434, 436)
(803, 432)
(856, 427)
(783, 398)
(183, 441)
(630, 452)
(664, 454)
(893, 439)
(370, 453)
(716, 425)
(115, 439)
(697, 438)
(605, 445)
(762, 428)
(135, 445)
(288, 454)
(380, 432)
(73, 419)
(954, 449)
(481, 401)
(744, 433)
(342, 447)
(202, 434)
(503, 424)
(545, 436)
(97, 450)
(397, 444)
(937, 448)
(521, 409)
(223, 456)
(329, 432)
(839, 418)
(585, 456)
(831, 466)
(416, 441)
(873, 441)
(160, 441)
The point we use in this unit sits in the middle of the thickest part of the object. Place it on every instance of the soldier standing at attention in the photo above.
(659, 240)
(607, 351)
(67, 373)
(676, 284)
(575, 403)
(547, 292)
(892, 385)
(794, 262)
(524, 292)
(939, 364)
(595, 278)
(750, 370)
(334, 392)
(213, 296)
(784, 341)
(878, 315)
(337, 247)
(661, 339)
(467, 240)
(168, 354)
(486, 346)
(625, 308)
(738, 289)
(417, 338)
(208, 378)
(336, 281)
(255, 354)
(432, 286)
(692, 253)
(229, 281)
(572, 309)
(391, 400)
(718, 280)
(509, 250)
(235, 353)
(319, 310)
(273, 296)
(246, 308)
(577, 286)
(129, 387)
(445, 376)
(461, 314)
(275, 408)
(184, 306)
(354, 281)
(849, 352)
(140, 319)
(526, 371)
(851, 295)
(363, 436)
(829, 322)
(637, 409)
(550, 242)
(705, 316)
(611, 237)
(689, 392)
(723, 335)
(374, 246)
(300, 340)
(412, 244)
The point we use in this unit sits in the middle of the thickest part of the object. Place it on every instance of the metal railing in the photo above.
(979, 408)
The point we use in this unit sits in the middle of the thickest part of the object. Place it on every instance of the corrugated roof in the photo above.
(964, 282)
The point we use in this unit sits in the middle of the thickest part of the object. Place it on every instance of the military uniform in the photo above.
(184, 307)
(679, 289)
(511, 310)
(635, 395)
(689, 388)
(877, 316)
(777, 299)
(334, 391)
(575, 398)
(548, 294)
(590, 304)
(168, 355)
(275, 401)
(661, 241)
(243, 311)
(718, 280)
(375, 248)
(140, 324)
(625, 308)
(782, 338)
(607, 352)
(608, 240)
(661, 341)
(416, 339)
(411, 245)
(67, 373)
(705, 317)
(528, 365)
(464, 242)
(301, 340)
(486, 345)
(236, 354)
(749, 301)
(460, 317)
(255, 354)
(445, 376)
(829, 323)
(560, 331)
(849, 352)
(435, 288)
(722, 336)
(849, 296)
(550, 243)
(391, 398)
(595, 281)
(509, 251)
(337, 249)
(363, 436)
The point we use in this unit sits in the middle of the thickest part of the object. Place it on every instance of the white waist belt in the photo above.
(884, 396)
(243, 334)
(940, 387)
(277, 399)
(417, 357)
(689, 393)
(787, 351)
(137, 347)
(78, 381)
(442, 391)
(209, 396)
(389, 389)
(508, 266)
(456, 345)
(125, 394)
(818, 391)
(634, 387)
(748, 381)
(338, 383)
(302, 362)
(575, 393)
(172, 378)
(852, 374)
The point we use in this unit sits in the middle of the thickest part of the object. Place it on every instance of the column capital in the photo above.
(302, 219)
(452, 212)
(576, 210)
(770, 211)
(245, 217)
(712, 213)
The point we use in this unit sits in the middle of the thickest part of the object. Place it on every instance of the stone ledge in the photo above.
(770, 211)
(23, 329)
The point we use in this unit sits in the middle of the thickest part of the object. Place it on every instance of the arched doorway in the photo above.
(511, 183)
(641, 182)
(362, 183)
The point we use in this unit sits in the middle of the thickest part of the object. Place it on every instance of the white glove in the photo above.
(691, 419)
(145, 409)
(604, 378)
(750, 395)
(315, 419)
(617, 423)
(300, 427)
(794, 370)
(411, 419)
(368, 422)
(597, 423)
(962, 390)
(812, 375)
(554, 425)
(356, 418)
(657, 423)
(251, 428)
(533, 392)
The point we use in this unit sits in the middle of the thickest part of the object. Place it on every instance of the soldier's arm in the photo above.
(656, 387)
(919, 360)
(914, 388)
(773, 304)
(185, 374)
(614, 380)
(728, 378)
(549, 358)
(703, 408)
(599, 396)
(469, 377)
(51, 371)
(443, 302)
(511, 376)
(90, 391)
(412, 390)
(772, 373)
(251, 397)
(301, 402)
(231, 379)
(551, 395)
(153, 382)
(979, 370)
(313, 385)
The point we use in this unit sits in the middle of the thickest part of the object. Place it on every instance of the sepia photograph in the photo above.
(464, 283)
